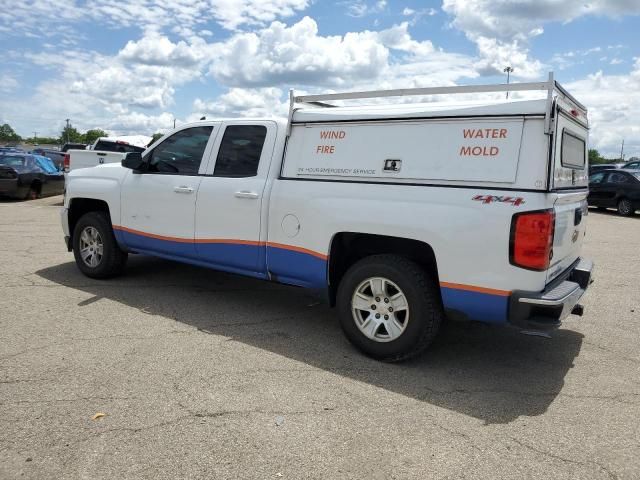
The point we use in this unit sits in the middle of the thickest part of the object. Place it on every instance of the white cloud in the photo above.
(240, 102)
(417, 15)
(508, 20)
(361, 8)
(613, 102)
(298, 55)
(501, 29)
(8, 83)
(155, 49)
(27, 17)
(233, 13)
(495, 55)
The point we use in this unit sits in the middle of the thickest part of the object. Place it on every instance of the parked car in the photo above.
(56, 156)
(618, 189)
(24, 175)
(634, 165)
(105, 150)
(396, 214)
(10, 150)
(603, 166)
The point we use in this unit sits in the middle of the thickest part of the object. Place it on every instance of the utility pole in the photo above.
(67, 130)
(622, 151)
(508, 69)
(174, 122)
(35, 137)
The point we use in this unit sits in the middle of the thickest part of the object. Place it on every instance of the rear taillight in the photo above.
(531, 241)
(66, 162)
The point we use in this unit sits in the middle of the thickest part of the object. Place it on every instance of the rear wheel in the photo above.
(95, 248)
(625, 207)
(33, 192)
(389, 307)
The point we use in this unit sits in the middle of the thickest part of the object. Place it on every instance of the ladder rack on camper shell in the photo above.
(550, 86)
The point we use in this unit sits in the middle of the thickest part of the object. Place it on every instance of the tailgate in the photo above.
(92, 158)
(571, 211)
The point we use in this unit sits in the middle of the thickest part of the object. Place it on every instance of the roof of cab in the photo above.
(413, 110)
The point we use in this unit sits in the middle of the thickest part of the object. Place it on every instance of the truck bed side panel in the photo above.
(468, 229)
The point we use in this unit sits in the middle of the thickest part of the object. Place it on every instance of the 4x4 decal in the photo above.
(515, 201)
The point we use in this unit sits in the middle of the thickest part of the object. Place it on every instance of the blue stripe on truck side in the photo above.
(287, 263)
(299, 266)
(477, 303)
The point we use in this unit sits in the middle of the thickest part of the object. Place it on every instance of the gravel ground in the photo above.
(201, 374)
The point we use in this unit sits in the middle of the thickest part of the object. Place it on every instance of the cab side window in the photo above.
(181, 153)
(240, 151)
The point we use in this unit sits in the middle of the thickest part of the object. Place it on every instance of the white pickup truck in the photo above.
(105, 150)
(399, 215)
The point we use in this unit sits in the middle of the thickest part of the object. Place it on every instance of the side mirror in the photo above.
(134, 161)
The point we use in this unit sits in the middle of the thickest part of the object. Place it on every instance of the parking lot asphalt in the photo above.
(201, 374)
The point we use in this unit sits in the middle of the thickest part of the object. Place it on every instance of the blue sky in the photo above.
(132, 67)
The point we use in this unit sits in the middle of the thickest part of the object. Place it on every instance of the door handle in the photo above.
(246, 194)
(183, 189)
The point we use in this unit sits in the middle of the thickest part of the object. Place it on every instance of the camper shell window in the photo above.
(573, 150)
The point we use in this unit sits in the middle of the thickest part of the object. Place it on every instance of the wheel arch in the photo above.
(349, 247)
(80, 206)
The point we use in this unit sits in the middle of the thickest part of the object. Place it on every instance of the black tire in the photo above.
(423, 298)
(33, 193)
(113, 259)
(625, 207)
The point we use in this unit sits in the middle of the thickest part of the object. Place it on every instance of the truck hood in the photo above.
(108, 170)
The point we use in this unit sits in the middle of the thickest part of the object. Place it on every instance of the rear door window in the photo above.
(573, 150)
(240, 151)
(596, 178)
(618, 178)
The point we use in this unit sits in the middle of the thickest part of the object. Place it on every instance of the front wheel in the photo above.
(625, 207)
(389, 307)
(95, 248)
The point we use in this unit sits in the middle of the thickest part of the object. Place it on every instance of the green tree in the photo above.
(595, 157)
(155, 137)
(8, 134)
(92, 135)
(70, 134)
(41, 140)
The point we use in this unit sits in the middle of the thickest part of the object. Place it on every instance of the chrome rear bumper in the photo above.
(547, 309)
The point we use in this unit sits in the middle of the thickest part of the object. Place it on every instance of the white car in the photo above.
(399, 215)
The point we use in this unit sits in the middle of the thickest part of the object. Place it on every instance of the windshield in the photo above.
(106, 146)
(46, 164)
(13, 161)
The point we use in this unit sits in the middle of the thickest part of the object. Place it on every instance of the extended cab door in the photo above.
(231, 196)
(158, 204)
